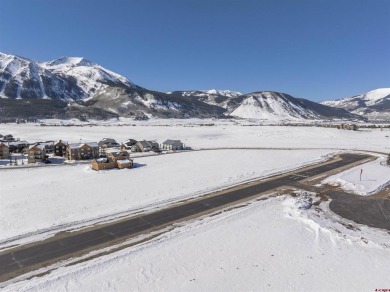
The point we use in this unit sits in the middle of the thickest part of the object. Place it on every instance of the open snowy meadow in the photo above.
(265, 245)
(46, 199)
(198, 133)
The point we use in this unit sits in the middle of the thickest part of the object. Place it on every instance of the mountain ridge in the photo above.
(78, 87)
(276, 106)
(63, 78)
(374, 104)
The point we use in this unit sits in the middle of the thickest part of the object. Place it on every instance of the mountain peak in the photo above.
(228, 93)
(6, 59)
(373, 104)
(376, 94)
(64, 78)
(272, 106)
(70, 61)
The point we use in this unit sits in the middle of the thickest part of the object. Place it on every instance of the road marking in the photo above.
(381, 210)
(147, 222)
(299, 175)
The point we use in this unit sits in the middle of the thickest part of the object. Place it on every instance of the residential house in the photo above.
(49, 146)
(4, 151)
(118, 155)
(114, 159)
(36, 153)
(17, 146)
(145, 146)
(105, 144)
(172, 145)
(82, 151)
(108, 142)
(8, 138)
(128, 144)
(122, 159)
(102, 163)
(60, 148)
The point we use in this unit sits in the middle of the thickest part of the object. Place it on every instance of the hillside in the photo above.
(275, 106)
(375, 104)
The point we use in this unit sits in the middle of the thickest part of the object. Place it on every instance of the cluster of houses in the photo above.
(352, 127)
(105, 154)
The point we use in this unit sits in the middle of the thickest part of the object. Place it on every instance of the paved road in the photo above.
(19, 260)
(373, 212)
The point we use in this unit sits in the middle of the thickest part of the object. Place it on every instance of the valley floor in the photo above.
(210, 134)
(275, 245)
(39, 201)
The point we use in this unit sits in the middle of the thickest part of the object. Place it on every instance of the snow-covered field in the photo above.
(222, 134)
(364, 179)
(54, 198)
(272, 245)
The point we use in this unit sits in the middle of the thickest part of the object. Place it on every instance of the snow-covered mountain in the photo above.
(226, 99)
(227, 93)
(67, 78)
(140, 102)
(207, 93)
(265, 105)
(75, 87)
(275, 106)
(374, 104)
(90, 77)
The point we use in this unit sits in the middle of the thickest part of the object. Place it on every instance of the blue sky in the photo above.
(314, 49)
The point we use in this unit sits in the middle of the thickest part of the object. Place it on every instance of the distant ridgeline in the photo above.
(72, 87)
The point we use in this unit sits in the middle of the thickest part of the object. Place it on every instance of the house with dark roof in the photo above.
(172, 145)
(60, 148)
(17, 146)
(108, 142)
(145, 146)
(128, 144)
(8, 138)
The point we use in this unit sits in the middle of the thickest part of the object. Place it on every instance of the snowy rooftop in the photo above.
(60, 141)
(78, 145)
(16, 143)
(124, 161)
(39, 146)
